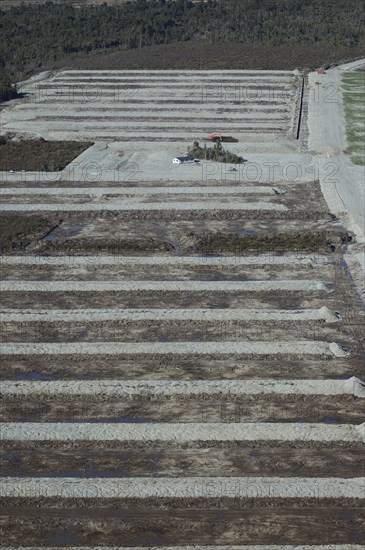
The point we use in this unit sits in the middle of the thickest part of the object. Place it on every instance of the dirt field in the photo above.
(150, 106)
(7, 4)
(182, 345)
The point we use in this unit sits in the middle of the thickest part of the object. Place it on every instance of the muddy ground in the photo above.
(303, 245)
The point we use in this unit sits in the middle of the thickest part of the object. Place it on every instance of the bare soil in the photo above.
(258, 408)
(169, 522)
(18, 232)
(305, 228)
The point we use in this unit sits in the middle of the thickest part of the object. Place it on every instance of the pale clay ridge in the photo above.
(199, 547)
(95, 92)
(157, 110)
(149, 207)
(131, 127)
(168, 388)
(78, 106)
(208, 315)
(254, 140)
(190, 487)
(134, 86)
(184, 76)
(278, 95)
(264, 259)
(163, 286)
(176, 72)
(144, 191)
(261, 347)
(179, 432)
(160, 129)
(160, 115)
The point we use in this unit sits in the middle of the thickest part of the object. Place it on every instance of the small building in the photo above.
(181, 160)
(320, 70)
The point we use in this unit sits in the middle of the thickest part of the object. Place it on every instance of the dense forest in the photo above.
(31, 36)
(7, 89)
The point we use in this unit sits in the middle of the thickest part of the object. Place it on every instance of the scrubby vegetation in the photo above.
(38, 154)
(7, 89)
(34, 35)
(294, 241)
(216, 153)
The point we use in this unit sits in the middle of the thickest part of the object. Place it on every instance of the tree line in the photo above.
(216, 153)
(32, 35)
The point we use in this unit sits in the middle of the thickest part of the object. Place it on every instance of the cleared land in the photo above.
(152, 106)
(182, 346)
(353, 84)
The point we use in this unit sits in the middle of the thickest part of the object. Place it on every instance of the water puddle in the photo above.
(330, 420)
(12, 458)
(173, 247)
(240, 232)
(149, 539)
(346, 514)
(109, 420)
(212, 276)
(254, 453)
(294, 364)
(63, 538)
(35, 376)
(73, 229)
(50, 238)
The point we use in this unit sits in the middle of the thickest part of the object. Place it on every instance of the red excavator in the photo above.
(218, 137)
(215, 137)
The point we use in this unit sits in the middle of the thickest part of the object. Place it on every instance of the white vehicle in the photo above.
(181, 160)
